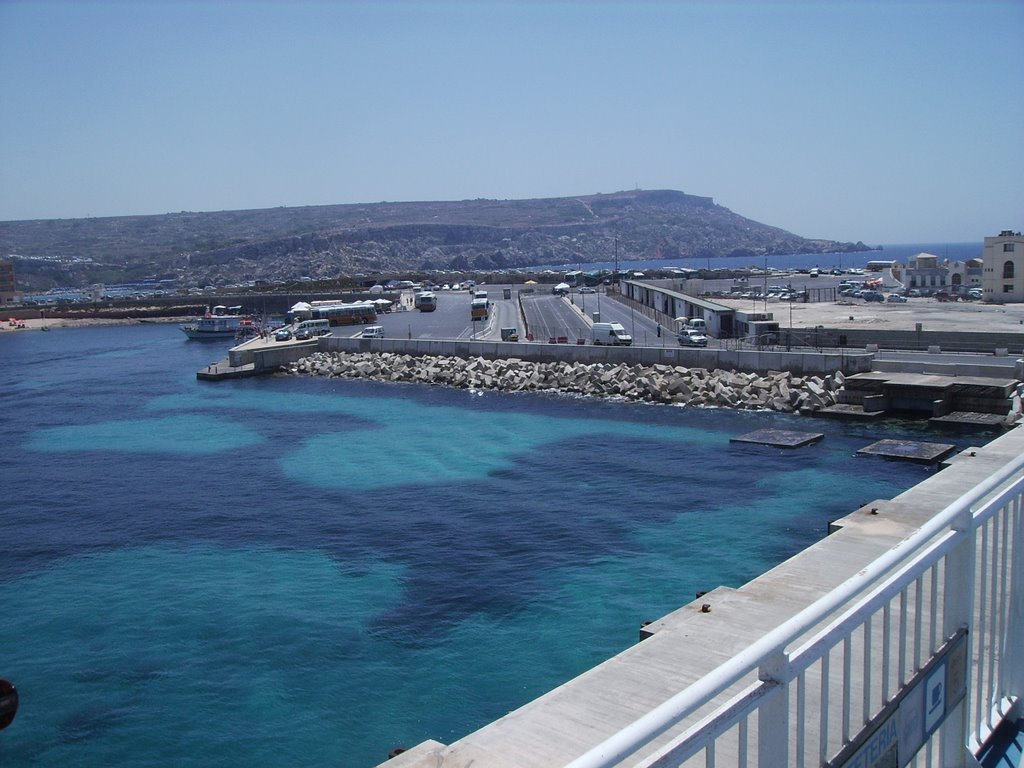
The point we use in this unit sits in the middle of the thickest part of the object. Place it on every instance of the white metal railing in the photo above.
(963, 571)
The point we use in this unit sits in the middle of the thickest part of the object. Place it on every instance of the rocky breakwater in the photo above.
(777, 391)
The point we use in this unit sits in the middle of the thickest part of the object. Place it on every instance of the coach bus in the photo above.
(478, 309)
(356, 313)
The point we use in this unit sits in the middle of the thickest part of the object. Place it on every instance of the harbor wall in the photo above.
(266, 359)
(947, 341)
(986, 370)
(749, 361)
(806, 363)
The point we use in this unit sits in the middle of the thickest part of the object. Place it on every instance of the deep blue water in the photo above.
(309, 572)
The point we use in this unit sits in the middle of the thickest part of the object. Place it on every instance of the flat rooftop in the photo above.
(853, 313)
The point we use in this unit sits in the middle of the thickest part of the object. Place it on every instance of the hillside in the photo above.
(333, 241)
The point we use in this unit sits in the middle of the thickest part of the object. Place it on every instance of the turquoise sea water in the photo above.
(310, 572)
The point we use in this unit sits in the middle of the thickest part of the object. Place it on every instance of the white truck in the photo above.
(612, 334)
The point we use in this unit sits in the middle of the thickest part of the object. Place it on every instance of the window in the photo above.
(1008, 270)
(1008, 247)
(1007, 289)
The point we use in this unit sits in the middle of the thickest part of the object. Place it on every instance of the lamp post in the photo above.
(766, 282)
(789, 338)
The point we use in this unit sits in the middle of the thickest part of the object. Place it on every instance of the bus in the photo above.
(314, 327)
(426, 301)
(356, 313)
(478, 309)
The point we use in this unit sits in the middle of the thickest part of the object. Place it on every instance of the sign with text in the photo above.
(893, 737)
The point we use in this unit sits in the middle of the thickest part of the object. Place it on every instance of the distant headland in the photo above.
(332, 241)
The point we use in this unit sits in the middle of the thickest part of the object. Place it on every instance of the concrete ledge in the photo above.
(948, 369)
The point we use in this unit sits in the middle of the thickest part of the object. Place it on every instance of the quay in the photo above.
(828, 659)
(267, 356)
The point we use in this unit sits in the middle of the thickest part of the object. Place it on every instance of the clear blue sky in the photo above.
(878, 121)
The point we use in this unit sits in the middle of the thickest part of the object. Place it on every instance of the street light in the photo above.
(789, 338)
(766, 282)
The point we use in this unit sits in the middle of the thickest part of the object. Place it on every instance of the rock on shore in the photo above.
(777, 391)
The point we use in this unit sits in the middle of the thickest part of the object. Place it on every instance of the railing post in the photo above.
(773, 714)
(958, 611)
(1011, 663)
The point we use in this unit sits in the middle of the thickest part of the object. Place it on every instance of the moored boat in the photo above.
(219, 323)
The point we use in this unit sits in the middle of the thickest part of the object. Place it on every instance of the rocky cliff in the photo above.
(353, 240)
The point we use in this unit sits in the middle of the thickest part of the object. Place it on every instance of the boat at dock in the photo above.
(219, 323)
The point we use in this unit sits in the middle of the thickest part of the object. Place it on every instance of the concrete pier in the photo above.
(680, 648)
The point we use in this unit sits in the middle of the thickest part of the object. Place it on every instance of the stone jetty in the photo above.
(777, 391)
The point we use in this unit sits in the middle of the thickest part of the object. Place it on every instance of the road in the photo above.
(552, 317)
(547, 317)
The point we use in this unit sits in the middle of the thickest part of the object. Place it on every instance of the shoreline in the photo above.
(38, 324)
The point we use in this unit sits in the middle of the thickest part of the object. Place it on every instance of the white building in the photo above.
(1003, 277)
(925, 273)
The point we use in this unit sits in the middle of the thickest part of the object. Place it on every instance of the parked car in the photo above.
(872, 296)
(587, 289)
(303, 334)
(282, 335)
(691, 337)
(895, 298)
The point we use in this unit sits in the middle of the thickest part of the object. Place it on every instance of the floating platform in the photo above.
(224, 370)
(849, 411)
(779, 438)
(971, 419)
(908, 450)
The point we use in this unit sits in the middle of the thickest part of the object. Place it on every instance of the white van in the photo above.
(612, 334)
(697, 324)
(373, 332)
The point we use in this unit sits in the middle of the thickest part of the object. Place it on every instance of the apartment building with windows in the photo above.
(1004, 267)
(8, 293)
